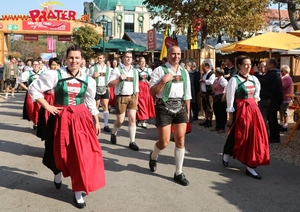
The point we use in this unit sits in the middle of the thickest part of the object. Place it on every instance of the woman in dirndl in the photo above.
(71, 145)
(54, 64)
(146, 108)
(30, 108)
(247, 140)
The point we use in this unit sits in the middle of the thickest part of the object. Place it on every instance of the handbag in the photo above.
(101, 90)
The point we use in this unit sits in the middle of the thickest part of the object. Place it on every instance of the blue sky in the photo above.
(21, 7)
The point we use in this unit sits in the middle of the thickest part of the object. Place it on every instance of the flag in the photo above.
(192, 38)
(164, 50)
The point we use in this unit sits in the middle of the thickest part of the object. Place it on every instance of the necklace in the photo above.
(72, 75)
(243, 76)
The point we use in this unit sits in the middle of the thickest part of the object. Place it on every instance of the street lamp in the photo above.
(12, 41)
(103, 24)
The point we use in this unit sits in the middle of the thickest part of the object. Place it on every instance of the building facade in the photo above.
(128, 16)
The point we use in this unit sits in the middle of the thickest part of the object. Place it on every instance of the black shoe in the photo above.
(258, 177)
(113, 138)
(208, 125)
(195, 118)
(273, 140)
(225, 163)
(152, 164)
(181, 179)
(79, 205)
(282, 129)
(106, 129)
(57, 185)
(203, 123)
(133, 146)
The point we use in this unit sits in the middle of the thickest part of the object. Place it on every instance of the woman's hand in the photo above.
(230, 120)
(53, 110)
(97, 126)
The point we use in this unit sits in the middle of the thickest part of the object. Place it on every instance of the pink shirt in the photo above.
(219, 85)
(287, 85)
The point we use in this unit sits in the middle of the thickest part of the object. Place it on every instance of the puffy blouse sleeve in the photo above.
(230, 94)
(90, 96)
(45, 82)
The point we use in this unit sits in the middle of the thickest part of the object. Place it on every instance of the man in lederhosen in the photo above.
(170, 83)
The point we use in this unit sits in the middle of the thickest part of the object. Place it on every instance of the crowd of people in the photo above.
(65, 98)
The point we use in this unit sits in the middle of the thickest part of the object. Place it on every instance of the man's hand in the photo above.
(168, 77)
(97, 74)
(123, 77)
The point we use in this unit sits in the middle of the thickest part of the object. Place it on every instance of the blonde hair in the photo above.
(285, 68)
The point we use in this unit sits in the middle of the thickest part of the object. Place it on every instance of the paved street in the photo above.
(27, 185)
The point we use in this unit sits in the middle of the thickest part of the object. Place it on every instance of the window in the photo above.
(129, 23)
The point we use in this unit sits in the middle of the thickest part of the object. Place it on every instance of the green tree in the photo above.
(86, 37)
(293, 11)
(33, 49)
(234, 16)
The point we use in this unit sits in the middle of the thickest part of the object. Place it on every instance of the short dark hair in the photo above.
(241, 58)
(54, 59)
(273, 61)
(206, 65)
(75, 48)
(231, 59)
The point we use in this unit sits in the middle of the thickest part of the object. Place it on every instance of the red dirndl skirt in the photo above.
(31, 109)
(77, 151)
(146, 108)
(251, 145)
(111, 96)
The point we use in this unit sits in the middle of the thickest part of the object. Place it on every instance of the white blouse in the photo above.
(49, 80)
(232, 86)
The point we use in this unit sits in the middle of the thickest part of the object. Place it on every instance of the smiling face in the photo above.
(174, 55)
(36, 66)
(245, 67)
(101, 59)
(74, 60)
(142, 63)
(127, 59)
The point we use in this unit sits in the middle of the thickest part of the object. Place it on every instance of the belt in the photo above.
(125, 95)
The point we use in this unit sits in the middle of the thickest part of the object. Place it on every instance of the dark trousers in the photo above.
(195, 110)
(273, 125)
(220, 113)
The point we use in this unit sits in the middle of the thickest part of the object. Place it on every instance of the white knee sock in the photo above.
(132, 132)
(115, 130)
(155, 153)
(105, 117)
(179, 157)
(78, 196)
(57, 178)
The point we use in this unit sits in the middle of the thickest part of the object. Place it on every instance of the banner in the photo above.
(47, 26)
(51, 44)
